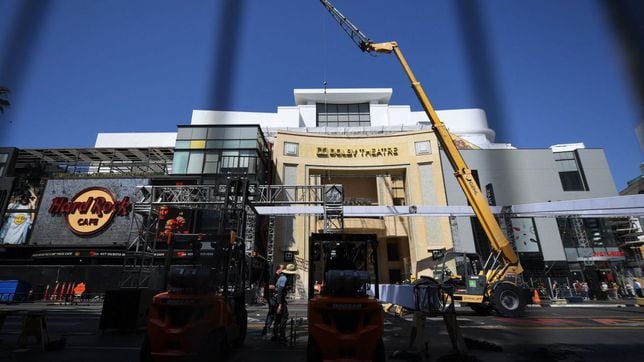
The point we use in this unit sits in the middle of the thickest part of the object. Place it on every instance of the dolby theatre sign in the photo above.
(91, 210)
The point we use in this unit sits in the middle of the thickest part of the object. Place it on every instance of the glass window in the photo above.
(392, 250)
(1, 170)
(198, 144)
(199, 133)
(422, 148)
(343, 115)
(184, 133)
(231, 133)
(231, 143)
(214, 133)
(229, 159)
(291, 149)
(212, 163)
(4, 157)
(214, 144)
(248, 144)
(181, 144)
(212, 157)
(248, 133)
(180, 162)
(571, 175)
(195, 164)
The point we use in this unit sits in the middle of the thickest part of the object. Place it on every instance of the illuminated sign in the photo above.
(91, 210)
(356, 152)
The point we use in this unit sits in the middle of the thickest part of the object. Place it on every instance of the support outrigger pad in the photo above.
(458, 343)
(34, 324)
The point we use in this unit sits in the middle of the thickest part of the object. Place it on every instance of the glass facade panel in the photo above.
(248, 144)
(4, 157)
(343, 115)
(198, 144)
(195, 163)
(228, 144)
(214, 144)
(199, 133)
(248, 133)
(211, 167)
(184, 133)
(212, 157)
(214, 133)
(181, 144)
(180, 162)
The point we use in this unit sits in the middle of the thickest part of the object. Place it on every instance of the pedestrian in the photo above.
(638, 288)
(629, 290)
(604, 289)
(555, 290)
(281, 312)
(577, 286)
(613, 290)
(269, 295)
(584, 290)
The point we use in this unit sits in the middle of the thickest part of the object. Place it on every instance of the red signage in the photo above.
(608, 253)
(91, 210)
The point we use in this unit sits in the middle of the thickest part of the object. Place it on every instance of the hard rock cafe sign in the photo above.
(91, 210)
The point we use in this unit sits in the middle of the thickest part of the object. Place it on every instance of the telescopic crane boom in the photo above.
(500, 244)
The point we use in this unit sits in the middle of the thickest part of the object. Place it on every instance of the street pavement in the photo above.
(583, 332)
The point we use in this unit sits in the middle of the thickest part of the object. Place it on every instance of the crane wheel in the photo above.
(507, 299)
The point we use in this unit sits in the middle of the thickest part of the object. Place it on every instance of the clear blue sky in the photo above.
(546, 71)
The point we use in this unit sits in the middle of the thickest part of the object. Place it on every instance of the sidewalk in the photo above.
(562, 302)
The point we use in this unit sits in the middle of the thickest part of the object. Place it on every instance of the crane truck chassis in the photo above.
(496, 285)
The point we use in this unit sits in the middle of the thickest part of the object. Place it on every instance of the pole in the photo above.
(168, 261)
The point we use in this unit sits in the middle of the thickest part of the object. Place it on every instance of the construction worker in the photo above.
(269, 295)
(281, 313)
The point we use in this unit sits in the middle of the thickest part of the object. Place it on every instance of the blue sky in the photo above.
(546, 71)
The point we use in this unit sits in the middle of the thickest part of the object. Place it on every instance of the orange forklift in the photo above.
(202, 315)
(346, 320)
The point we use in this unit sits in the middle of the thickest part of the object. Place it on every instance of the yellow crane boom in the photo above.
(461, 171)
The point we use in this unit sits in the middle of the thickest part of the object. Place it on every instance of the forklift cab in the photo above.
(463, 272)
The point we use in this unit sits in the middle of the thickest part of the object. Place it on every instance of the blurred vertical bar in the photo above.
(18, 51)
(226, 50)
(627, 19)
(482, 67)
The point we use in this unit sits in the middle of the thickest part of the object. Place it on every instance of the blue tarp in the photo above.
(14, 290)
(398, 294)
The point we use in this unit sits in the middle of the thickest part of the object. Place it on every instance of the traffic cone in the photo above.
(536, 299)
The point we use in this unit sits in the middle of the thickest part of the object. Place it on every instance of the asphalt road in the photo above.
(544, 334)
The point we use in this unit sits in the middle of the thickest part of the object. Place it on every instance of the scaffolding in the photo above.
(235, 214)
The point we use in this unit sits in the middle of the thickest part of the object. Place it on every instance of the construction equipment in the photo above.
(345, 317)
(496, 284)
(203, 312)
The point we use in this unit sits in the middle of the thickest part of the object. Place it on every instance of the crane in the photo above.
(490, 285)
